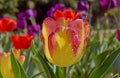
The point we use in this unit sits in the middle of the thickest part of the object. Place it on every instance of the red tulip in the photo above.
(22, 41)
(7, 25)
(67, 14)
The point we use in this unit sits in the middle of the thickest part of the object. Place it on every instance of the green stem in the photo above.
(33, 21)
(64, 71)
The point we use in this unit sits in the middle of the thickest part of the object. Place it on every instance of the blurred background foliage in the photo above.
(8, 7)
(11, 8)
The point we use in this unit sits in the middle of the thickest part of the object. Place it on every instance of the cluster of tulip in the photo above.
(64, 35)
(64, 38)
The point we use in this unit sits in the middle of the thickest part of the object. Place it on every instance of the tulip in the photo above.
(108, 4)
(30, 13)
(33, 30)
(82, 6)
(5, 63)
(24, 17)
(21, 16)
(64, 38)
(21, 24)
(21, 41)
(27, 14)
(7, 25)
(21, 21)
(118, 35)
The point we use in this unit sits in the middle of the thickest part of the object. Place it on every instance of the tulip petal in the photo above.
(62, 21)
(1, 27)
(25, 41)
(87, 31)
(69, 14)
(49, 25)
(5, 66)
(77, 15)
(5, 22)
(58, 14)
(22, 41)
(15, 41)
(77, 26)
(82, 30)
(11, 25)
(63, 43)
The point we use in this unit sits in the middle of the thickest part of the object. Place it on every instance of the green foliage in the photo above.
(8, 7)
(17, 68)
(59, 73)
(48, 70)
(1, 75)
(105, 66)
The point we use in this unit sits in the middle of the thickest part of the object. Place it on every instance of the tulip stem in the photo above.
(64, 71)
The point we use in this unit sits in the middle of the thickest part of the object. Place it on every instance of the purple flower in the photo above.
(33, 29)
(30, 13)
(21, 24)
(1, 17)
(21, 15)
(60, 7)
(108, 4)
(118, 35)
(82, 6)
(27, 14)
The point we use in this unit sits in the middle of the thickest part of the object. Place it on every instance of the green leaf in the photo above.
(111, 39)
(1, 75)
(37, 74)
(23, 73)
(39, 66)
(33, 49)
(15, 66)
(59, 73)
(7, 45)
(116, 76)
(48, 70)
(99, 58)
(100, 71)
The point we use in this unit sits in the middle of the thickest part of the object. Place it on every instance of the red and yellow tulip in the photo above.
(64, 38)
(5, 63)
